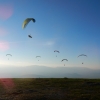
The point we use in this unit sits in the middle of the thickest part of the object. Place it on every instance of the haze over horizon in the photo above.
(48, 72)
(70, 26)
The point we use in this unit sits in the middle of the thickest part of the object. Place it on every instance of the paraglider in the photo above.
(63, 60)
(9, 55)
(82, 55)
(56, 51)
(26, 21)
(29, 36)
(37, 57)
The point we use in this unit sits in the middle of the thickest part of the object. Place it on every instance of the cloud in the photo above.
(6, 11)
(49, 43)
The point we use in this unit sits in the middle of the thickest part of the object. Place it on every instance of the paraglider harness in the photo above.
(29, 36)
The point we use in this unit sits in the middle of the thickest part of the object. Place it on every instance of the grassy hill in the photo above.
(49, 89)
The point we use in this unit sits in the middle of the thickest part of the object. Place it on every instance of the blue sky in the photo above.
(69, 26)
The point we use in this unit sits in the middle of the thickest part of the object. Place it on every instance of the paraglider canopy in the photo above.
(82, 55)
(56, 51)
(63, 60)
(9, 55)
(26, 21)
(37, 57)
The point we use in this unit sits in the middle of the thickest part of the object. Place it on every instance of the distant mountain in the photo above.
(31, 76)
(48, 72)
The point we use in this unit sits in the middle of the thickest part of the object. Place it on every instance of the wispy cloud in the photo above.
(49, 43)
(4, 45)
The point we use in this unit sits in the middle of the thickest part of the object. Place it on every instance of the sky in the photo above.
(70, 26)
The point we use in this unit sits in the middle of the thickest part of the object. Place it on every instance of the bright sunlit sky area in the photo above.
(70, 26)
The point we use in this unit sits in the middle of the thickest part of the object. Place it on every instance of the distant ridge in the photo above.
(48, 72)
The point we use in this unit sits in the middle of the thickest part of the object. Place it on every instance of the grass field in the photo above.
(49, 89)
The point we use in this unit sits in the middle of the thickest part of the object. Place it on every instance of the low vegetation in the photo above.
(50, 89)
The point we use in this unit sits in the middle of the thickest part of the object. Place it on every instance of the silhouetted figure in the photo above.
(29, 36)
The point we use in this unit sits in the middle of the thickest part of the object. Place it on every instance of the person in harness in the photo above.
(29, 36)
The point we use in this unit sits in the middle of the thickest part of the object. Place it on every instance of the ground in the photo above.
(49, 89)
